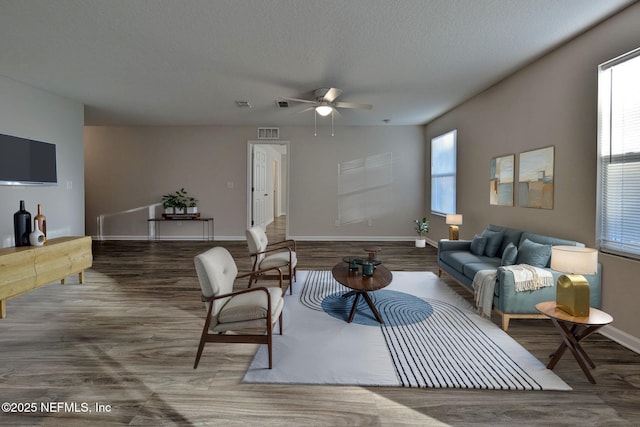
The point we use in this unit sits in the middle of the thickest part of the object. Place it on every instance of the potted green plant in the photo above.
(181, 207)
(169, 202)
(192, 205)
(176, 203)
(422, 228)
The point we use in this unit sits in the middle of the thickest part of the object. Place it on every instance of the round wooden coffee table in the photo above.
(360, 285)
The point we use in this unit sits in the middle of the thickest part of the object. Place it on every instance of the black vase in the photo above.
(22, 225)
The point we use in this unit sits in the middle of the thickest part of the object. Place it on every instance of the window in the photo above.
(618, 213)
(443, 173)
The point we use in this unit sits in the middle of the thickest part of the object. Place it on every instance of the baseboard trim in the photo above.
(168, 238)
(621, 337)
(354, 238)
(299, 238)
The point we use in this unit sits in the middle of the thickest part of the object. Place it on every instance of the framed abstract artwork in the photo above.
(535, 180)
(501, 180)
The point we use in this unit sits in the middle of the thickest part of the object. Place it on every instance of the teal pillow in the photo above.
(534, 254)
(494, 240)
(478, 245)
(510, 255)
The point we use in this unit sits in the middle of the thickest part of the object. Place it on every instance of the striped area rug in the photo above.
(431, 338)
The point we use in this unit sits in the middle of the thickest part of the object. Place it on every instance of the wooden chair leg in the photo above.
(270, 340)
(203, 337)
(200, 348)
(290, 281)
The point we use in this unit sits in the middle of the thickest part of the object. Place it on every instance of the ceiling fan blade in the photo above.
(307, 109)
(299, 100)
(328, 94)
(353, 105)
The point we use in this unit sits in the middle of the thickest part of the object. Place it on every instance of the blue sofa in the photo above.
(456, 258)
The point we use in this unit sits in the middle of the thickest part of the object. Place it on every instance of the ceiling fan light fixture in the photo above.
(324, 110)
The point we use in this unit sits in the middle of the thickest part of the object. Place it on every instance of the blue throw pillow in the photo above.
(534, 254)
(494, 240)
(478, 245)
(510, 255)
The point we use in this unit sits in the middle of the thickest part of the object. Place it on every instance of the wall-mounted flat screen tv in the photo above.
(27, 162)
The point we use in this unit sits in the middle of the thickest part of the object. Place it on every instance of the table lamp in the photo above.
(572, 289)
(453, 221)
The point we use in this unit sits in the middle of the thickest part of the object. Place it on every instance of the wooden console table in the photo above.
(25, 268)
(207, 226)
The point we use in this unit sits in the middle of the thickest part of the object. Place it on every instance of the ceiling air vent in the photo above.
(281, 103)
(243, 104)
(268, 133)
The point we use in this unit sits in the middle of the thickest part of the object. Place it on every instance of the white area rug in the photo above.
(431, 338)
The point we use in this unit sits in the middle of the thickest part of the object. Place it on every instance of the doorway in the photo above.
(268, 185)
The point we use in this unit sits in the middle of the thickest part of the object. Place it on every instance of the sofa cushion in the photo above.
(534, 254)
(510, 255)
(458, 259)
(546, 240)
(478, 245)
(494, 240)
(511, 235)
(486, 263)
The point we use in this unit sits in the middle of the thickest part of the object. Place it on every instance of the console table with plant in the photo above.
(180, 206)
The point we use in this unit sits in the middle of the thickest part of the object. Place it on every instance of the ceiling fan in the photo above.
(325, 103)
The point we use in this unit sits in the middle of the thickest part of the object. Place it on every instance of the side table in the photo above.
(360, 285)
(573, 330)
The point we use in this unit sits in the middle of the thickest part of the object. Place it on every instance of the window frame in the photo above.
(606, 240)
(438, 208)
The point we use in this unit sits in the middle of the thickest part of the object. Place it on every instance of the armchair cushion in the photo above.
(251, 306)
(257, 241)
(279, 259)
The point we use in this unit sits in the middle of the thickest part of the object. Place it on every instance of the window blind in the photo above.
(619, 155)
(443, 173)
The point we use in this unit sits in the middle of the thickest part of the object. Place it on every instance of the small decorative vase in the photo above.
(421, 243)
(367, 268)
(41, 220)
(36, 237)
(22, 225)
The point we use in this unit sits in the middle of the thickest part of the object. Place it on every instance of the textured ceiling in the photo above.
(185, 62)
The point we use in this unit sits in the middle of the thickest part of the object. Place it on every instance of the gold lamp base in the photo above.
(453, 232)
(572, 294)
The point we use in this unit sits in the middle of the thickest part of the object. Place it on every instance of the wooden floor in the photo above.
(127, 338)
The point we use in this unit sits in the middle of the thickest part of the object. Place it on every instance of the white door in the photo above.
(276, 192)
(259, 187)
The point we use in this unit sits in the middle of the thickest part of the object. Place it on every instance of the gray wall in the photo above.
(30, 113)
(131, 167)
(553, 101)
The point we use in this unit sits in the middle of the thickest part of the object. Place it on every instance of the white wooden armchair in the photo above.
(247, 309)
(281, 255)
